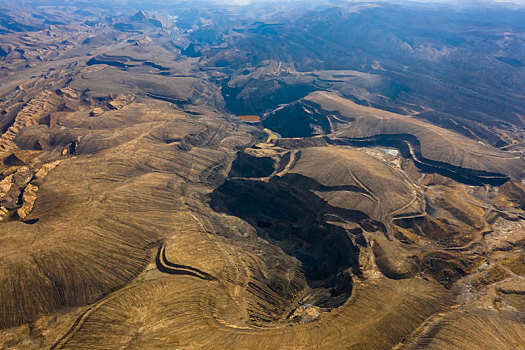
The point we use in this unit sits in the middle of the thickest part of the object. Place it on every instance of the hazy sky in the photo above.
(457, 2)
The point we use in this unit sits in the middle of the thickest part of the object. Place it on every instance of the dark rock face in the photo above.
(286, 213)
(249, 166)
(297, 120)
(13, 160)
(264, 96)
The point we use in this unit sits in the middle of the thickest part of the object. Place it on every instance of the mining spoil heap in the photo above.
(161, 188)
(250, 118)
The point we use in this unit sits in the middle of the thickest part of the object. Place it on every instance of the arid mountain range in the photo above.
(192, 175)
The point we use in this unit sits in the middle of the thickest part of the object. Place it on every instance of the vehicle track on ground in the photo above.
(162, 264)
(79, 322)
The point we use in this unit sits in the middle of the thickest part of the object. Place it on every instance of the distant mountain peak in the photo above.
(140, 16)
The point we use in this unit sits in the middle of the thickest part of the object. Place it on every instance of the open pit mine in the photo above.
(295, 175)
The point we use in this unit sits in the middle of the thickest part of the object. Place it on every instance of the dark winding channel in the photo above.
(176, 269)
(410, 147)
(162, 264)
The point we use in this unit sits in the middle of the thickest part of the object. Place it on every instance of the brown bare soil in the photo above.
(250, 118)
(137, 212)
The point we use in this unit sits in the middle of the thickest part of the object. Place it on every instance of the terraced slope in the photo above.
(433, 149)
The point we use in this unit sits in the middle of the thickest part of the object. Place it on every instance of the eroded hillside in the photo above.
(160, 188)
